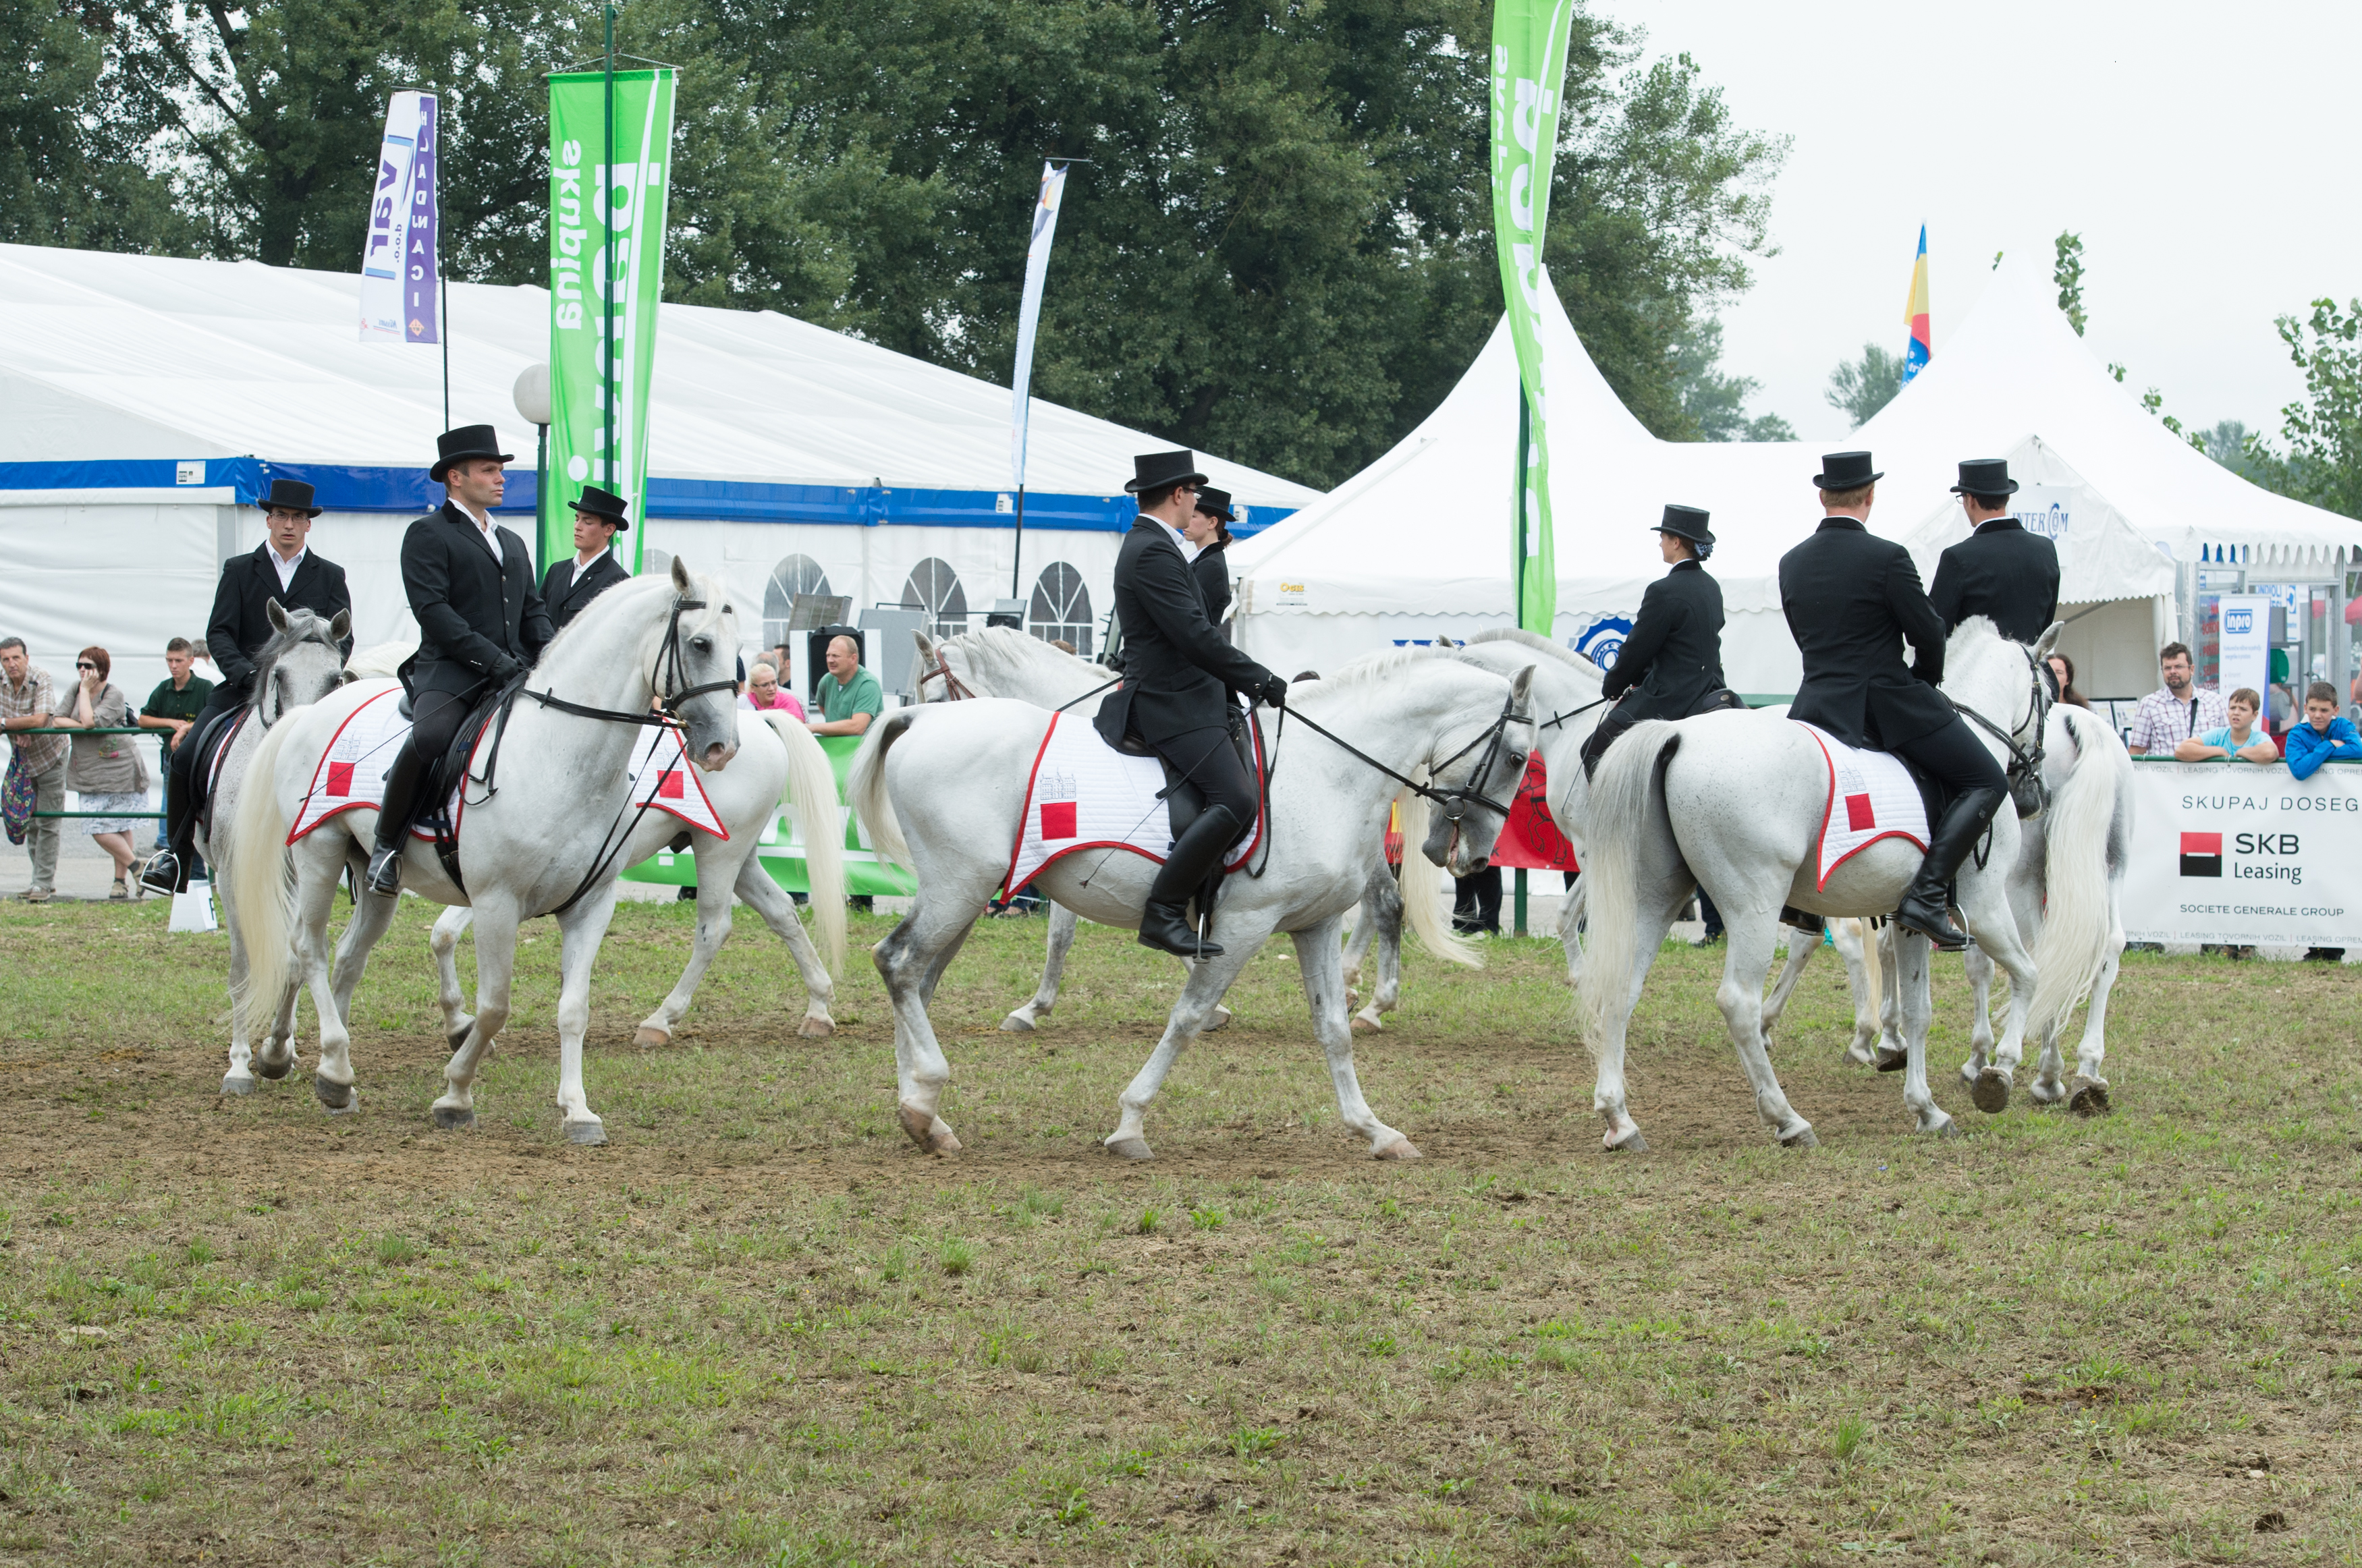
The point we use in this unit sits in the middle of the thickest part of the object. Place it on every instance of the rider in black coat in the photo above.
(1671, 664)
(1851, 599)
(599, 516)
(481, 623)
(239, 626)
(1211, 568)
(2001, 570)
(1178, 677)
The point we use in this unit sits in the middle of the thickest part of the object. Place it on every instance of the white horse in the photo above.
(943, 789)
(1734, 802)
(302, 663)
(544, 835)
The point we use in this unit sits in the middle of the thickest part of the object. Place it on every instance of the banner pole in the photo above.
(607, 467)
(541, 503)
(1521, 529)
(442, 272)
(1017, 566)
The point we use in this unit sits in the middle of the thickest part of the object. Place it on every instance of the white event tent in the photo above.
(145, 401)
(1419, 543)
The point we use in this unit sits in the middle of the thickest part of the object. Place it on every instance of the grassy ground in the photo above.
(759, 1329)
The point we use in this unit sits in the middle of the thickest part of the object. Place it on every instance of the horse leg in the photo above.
(444, 943)
(1607, 1094)
(1045, 995)
(1846, 937)
(1916, 1008)
(496, 935)
(370, 917)
(1980, 1035)
(316, 895)
(1891, 1051)
(1321, 964)
(909, 961)
(580, 931)
(1208, 979)
(770, 900)
(1749, 933)
(1570, 929)
(1382, 913)
(2089, 1095)
(239, 1080)
(714, 898)
(1984, 902)
(1799, 952)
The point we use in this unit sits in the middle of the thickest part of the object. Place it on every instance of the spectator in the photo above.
(764, 694)
(176, 702)
(1062, 644)
(849, 695)
(2283, 706)
(2166, 718)
(2239, 740)
(1476, 903)
(28, 701)
(2062, 670)
(202, 655)
(105, 771)
(2325, 734)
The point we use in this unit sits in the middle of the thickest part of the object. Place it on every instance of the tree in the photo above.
(70, 171)
(1713, 403)
(2067, 271)
(1861, 387)
(2323, 463)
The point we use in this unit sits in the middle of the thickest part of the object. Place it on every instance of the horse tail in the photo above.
(811, 792)
(1624, 797)
(2090, 812)
(864, 787)
(258, 889)
(1422, 886)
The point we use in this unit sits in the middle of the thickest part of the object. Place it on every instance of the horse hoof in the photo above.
(1862, 1055)
(338, 1098)
(589, 1134)
(1894, 1061)
(275, 1070)
(1222, 1020)
(237, 1083)
(1631, 1143)
(457, 1035)
(1969, 1071)
(1400, 1149)
(2047, 1092)
(646, 1038)
(1990, 1093)
(1803, 1139)
(816, 1027)
(451, 1118)
(1017, 1024)
(927, 1131)
(1939, 1125)
(1367, 1023)
(1130, 1148)
(2090, 1097)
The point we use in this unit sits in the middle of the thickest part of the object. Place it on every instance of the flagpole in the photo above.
(1017, 566)
(442, 273)
(608, 470)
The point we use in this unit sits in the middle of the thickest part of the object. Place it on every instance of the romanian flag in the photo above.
(1914, 357)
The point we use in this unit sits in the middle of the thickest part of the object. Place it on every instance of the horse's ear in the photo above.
(342, 626)
(681, 577)
(2049, 640)
(1520, 685)
(926, 645)
(278, 615)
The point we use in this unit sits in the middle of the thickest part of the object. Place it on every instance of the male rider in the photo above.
(1851, 598)
(599, 516)
(480, 624)
(1671, 664)
(1178, 673)
(2000, 571)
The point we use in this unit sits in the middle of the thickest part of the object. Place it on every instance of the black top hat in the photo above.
(467, 441)
(292, 495)
(1845, 470)
(1215, 504)
(1985, 476)
(1154, 470)
(603, 504)
(1689, 523)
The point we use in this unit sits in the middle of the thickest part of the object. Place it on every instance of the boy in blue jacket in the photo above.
(2324, 734)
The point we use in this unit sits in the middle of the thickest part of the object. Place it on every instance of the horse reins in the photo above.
(1454, 801)
(958, 691)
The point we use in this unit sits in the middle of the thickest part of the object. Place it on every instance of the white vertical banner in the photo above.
(1029, 314)
(400, 267)
(2246, 651)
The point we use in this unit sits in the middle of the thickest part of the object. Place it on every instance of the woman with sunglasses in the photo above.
(106, 771)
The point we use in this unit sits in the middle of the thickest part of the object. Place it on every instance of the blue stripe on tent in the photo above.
(408, 491)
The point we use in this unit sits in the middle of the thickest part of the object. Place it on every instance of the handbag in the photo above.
(16, 799)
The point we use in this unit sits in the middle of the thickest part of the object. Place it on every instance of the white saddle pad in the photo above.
(1871, 797)
(351, 772)
(1084, 794)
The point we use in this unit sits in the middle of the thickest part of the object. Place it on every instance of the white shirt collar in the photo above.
(484, 526)
(1181, 541)
(286, 568)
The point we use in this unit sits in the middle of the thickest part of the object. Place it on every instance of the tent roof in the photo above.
(115, 357)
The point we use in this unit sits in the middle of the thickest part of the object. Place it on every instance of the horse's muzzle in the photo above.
(717, 756)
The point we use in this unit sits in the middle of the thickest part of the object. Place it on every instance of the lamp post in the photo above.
(531, 397)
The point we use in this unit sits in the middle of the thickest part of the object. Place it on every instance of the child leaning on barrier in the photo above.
(2324, 734)
(2238, 741)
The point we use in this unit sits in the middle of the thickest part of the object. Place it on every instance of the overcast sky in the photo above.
(2205, 153)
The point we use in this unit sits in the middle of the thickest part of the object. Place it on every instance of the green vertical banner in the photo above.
(609, 160)
(1529, 40)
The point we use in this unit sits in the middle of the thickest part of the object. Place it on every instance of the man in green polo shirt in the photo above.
(176, 702)
(849, 695)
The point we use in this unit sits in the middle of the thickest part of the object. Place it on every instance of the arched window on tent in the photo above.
(797, 574)
(933, 587)
(1061, 608)
(654, 562)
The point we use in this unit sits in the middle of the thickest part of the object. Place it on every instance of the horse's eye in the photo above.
(703, 645)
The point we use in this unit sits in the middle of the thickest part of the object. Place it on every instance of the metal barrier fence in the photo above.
(164, 760)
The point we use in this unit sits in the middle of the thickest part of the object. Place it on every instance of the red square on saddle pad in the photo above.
(340, 778)
(1057, 818)
(669, 784)
(1859, 817)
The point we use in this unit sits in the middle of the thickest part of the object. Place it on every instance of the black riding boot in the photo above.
(393, 821)
(1923, 907)
(167, 871)
(1163, 924)
(1602, 736)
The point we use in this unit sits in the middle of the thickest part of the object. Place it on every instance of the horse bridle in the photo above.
(1454, 801)
(2024, 761)
(954, 689)
(669, 663)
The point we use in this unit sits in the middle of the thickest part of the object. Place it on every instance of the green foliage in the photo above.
(2067, 271)
(70, 171)
(1861, 387)
(2324, 465)
(1716, 404)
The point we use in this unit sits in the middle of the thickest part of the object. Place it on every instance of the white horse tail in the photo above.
(2083, 836)
(811, 794)
(1422, 886)
(864, 787)
(1623, 800)
(259, 885)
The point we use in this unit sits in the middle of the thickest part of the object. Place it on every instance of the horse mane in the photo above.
(1005, 650)
(1370, 668)
(302, 626)
(1536, 643)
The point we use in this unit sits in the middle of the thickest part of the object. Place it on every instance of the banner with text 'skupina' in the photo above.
(401, 272)
(606, 221)
(1529, 40)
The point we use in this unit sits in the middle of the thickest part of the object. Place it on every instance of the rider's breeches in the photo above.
(1954, 757)
(1208, 759)
(436, 718)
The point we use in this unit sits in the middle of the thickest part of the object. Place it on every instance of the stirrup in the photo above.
(162, 874)
(1941, 933)
(384, 871)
